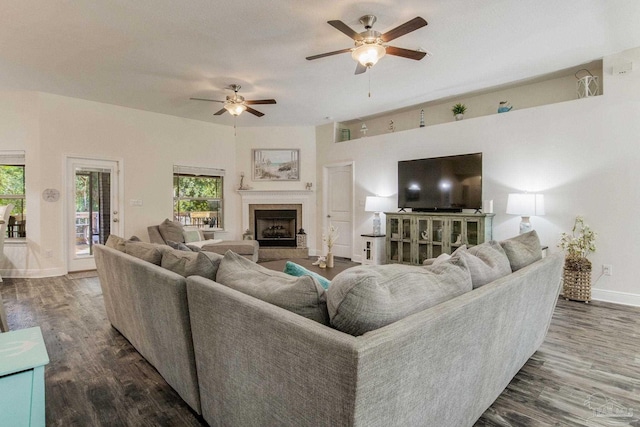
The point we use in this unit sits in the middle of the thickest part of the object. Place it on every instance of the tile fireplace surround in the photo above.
(264, 199)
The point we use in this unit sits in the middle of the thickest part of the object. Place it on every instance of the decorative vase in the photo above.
(330, 260)
(459, 117)
(576, 279)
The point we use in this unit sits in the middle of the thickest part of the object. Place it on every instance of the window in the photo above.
(12, 191)
(198, 196)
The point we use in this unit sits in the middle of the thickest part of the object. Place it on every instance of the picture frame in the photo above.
(275, 164)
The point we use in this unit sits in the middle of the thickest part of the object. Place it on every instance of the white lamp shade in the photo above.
(525, 204)
(377, 204)
(368, 54)
(235, 109)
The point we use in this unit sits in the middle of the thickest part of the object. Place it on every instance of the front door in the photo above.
(92, 189)
(339, 207)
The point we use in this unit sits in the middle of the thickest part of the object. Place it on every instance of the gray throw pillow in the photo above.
(522, 250)
(149, 252)
(171, 230)
(302, 295)
(195, 248)
(190, 263)
(486, 262)
(179, 246)
(115, 242)
(365, 298)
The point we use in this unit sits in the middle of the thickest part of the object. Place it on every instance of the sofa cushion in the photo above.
(149, 252)
(302, 295)
(365, 298)
(171, 230)
(293, 269)
(522, 250)
(486, 262)
(191, 263)
(115, 242)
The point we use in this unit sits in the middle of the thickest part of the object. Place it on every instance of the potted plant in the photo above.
(577, 268)
(458, 111)
(330, 238)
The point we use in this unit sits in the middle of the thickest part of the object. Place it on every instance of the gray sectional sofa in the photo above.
(259, 361)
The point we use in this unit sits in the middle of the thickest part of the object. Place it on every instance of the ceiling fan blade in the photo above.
(219, 112)
(254, 112)
(260, 101)
(360, 68)
(202, 99)
(406, 53)
(403, 29)
(344, 28)
(335, 52)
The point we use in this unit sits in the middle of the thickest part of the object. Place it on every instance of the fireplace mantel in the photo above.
(274, 193)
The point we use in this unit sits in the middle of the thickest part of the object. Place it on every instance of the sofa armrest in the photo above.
(154, 235)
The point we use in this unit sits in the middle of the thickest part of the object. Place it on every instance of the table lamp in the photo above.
(525, 205)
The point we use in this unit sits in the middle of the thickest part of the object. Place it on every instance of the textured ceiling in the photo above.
(155, 54)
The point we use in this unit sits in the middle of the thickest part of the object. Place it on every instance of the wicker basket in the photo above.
(577, 279)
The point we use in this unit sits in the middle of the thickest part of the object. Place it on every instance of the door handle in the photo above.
(115, 219)
(115, 212)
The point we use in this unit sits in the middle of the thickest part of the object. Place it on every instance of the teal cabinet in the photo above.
(22, 360)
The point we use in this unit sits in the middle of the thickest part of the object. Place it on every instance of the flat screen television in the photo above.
(447, 184)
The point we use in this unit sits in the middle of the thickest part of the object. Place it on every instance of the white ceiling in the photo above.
(155, 54)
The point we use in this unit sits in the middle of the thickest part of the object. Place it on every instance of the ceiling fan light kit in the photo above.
(235, 109)
(368, 54)
(236, 104)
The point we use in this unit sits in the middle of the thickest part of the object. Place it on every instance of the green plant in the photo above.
(458, 109)
(581, 242)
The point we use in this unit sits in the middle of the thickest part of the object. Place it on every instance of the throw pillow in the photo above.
(522, 250)
(302, 295)
(293, 269)
(179, 246)
(115, 242)
(366, 298)
(486, 262)
(195, 248)
(149, 252)
(134, 239)
(191, 263)
(171, 230)
(192, 236)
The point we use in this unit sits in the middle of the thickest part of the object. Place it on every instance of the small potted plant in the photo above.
(458, 111)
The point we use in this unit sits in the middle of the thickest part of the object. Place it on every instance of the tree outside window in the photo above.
(12, 191)
(198, 200)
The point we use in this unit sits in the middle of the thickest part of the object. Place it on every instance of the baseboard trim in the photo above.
(616, 297)
(33, 274)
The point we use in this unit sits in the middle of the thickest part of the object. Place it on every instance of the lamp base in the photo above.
(525, 225)
(377, 226)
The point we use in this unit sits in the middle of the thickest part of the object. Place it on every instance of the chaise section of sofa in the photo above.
(259, 364)
(148, 305)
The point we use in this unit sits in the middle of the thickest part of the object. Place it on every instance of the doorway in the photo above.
(338, 206)
(93, 209)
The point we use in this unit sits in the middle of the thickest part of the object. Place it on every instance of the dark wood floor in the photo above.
(587, 372)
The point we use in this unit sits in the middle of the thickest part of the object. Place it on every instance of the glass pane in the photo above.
(472, 232)
(199, 187)
(393, 251)
(11, 179)
(406, 252)
(393, 228)
(92, 205)
(436, 251)
(456, 233)
(422, 252)
(423, 229)
(406, 228)
(436, 230)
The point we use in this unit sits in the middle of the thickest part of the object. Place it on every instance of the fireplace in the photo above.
(275, 227)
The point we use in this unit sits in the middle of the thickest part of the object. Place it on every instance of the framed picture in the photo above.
(276, 165)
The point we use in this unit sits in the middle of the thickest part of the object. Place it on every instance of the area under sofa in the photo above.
(259, 364)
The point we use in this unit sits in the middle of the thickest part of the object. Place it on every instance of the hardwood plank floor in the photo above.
(587, 372)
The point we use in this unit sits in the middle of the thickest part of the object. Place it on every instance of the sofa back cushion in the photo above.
(302, 295)
(365, 298)
(522, 250)
(149, 252)
(486, 262)
(115, 242)
(191, 263)
(171, 230)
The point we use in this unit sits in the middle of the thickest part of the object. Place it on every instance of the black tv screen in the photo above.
(447, 184)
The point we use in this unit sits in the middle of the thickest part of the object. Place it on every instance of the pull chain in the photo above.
(369, 82)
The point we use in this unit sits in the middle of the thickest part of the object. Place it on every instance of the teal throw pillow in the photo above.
(294, 269)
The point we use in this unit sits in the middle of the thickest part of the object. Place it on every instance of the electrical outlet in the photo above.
(607, 269)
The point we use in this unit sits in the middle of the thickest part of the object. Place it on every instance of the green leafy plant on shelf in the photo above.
(458, 109)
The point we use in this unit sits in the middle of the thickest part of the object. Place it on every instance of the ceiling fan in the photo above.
(370, 44)
(236, 104)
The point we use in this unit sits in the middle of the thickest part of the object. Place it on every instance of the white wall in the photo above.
(49, 127)
(583, 155)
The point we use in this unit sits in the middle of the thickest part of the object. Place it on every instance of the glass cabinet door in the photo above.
(472, 232)
(455, 234)
(437, 237)
(423, 234)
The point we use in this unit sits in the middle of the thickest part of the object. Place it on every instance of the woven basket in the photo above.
(577, 279)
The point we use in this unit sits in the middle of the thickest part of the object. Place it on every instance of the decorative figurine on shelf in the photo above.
(504, 107)
(421, 118)
(242, 186)
(308, 186)
(392, 127)
(363, 130)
